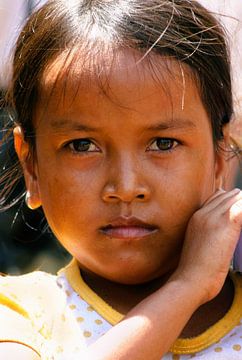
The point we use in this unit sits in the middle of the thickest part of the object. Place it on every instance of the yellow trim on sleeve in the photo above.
(181, 346)
(6, 301)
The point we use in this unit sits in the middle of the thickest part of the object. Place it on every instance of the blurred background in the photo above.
(26, 242)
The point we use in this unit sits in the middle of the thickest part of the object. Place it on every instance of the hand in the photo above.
(210, 241)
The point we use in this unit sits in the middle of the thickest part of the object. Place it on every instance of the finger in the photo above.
(220, 196)
(217, 193)
(228, 202)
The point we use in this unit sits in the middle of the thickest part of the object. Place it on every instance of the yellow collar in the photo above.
(181, 346)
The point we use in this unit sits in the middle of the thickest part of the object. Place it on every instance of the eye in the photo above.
(82, 146)
(163, 144)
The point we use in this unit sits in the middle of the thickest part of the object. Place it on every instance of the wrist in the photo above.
(190, 284)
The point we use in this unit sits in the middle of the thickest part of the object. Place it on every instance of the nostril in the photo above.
(140, 196)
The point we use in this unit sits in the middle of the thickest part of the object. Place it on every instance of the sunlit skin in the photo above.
(148, 153)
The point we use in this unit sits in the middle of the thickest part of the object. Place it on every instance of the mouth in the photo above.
(128, 228)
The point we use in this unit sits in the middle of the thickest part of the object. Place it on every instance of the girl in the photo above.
(121, 129)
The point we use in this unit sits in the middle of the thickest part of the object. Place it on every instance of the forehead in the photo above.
(77, 83)
(109, 70)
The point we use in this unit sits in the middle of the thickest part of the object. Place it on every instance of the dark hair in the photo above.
(179, 29)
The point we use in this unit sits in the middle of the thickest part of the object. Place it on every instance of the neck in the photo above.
(124, 297)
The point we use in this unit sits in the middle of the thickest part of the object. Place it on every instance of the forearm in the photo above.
(149, 329)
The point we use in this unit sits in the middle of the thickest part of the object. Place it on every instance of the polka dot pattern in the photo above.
(218, 349)
(92, 326)
(80, 319)
(87, 334)
(62, 324)
(237, 347)
(90, 308)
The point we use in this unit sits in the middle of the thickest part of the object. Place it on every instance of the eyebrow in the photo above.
(66, 124)
(174, 123)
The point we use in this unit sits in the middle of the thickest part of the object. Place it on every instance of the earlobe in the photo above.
(32, 200)
(26, 159)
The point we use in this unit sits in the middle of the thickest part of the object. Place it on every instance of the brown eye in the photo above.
(163, 144)
(82, 145)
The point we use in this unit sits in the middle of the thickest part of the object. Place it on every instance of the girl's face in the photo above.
(120, 169)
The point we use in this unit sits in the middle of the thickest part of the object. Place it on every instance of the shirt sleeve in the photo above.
(34, 312)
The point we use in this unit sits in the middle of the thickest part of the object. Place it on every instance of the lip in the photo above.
(128, 228)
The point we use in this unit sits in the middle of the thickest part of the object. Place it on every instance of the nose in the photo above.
(126, 183)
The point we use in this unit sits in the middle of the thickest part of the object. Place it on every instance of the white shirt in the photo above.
(60, 316)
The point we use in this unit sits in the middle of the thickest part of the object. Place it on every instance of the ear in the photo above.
(223, 175)
(26, 158)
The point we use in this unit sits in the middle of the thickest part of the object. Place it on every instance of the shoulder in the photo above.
(28, 285)
(35, 313)
(33, 278)
(31, 312)
(36, 296)
(28, 289)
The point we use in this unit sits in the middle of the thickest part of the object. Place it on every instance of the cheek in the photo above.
(62, 181)
(66, 197)
(185, 176)
(182, 188)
